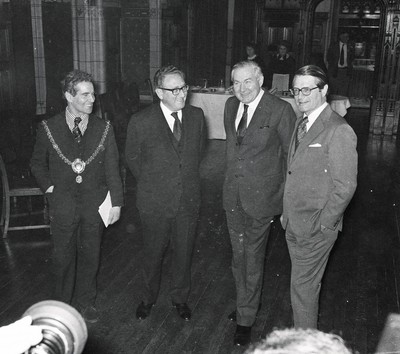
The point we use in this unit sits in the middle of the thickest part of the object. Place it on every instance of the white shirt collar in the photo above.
(312, 117)
(167, 114)
(250, 111)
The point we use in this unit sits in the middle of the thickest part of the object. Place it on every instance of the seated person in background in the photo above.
(252, 54)
(300, 341)
(282, 63)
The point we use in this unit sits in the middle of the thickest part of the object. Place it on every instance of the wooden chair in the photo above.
(12, 194)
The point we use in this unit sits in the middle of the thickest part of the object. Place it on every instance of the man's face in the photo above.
(282, 50)
(246, 85)
(174, 103)
(317, 97)
(344, 37)
(250, 51)
(82, 102)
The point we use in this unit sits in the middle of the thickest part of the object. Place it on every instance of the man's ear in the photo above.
(68, 96)
(159, 93)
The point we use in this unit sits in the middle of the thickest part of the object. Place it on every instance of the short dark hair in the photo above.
(313, 70)
(163, 72)
(72, 79)
(249, 64)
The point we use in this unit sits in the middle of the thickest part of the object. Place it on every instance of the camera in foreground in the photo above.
(64, 330)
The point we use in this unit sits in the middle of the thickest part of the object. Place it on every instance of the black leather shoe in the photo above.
(183, 310)
(143, 310)
(242, 336)
(232, 316)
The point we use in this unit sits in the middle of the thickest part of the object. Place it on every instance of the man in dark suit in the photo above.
(163, 151)
(258, 128)
(75, 161)
(340, 64)
(320, 182)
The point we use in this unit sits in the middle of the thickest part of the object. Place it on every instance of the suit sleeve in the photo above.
(113, 177)
(285, 131)
(39, 160)
(203, 136)
(132, 148)
(343, 171)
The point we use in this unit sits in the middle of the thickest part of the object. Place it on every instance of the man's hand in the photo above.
(114, 215)
(18, 337)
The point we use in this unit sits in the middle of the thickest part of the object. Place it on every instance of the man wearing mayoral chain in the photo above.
(76, 163)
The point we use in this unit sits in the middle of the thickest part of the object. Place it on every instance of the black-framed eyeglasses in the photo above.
(306, 91)
(176, 91)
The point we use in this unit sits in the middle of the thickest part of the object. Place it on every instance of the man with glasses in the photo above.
(320, 181)
(163, 150)
(258, 129)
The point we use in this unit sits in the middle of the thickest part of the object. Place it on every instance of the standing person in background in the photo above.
(320, 182)
(258, 129)
(164, 147)
(253, 55)
(75, 162)
(282, 63)
(340, 64)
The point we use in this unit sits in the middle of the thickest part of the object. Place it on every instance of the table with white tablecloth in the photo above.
(213, 105)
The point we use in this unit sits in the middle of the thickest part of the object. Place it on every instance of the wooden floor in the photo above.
(360, 287)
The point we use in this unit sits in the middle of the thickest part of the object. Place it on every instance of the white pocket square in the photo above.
(317, 145)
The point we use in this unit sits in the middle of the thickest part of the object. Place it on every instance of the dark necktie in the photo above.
(177, 131)
(301, 131)
(341, 61)
(76, 131)
(241, 130)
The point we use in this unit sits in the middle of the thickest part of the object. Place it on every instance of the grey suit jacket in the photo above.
(321, 175)
(255, 169)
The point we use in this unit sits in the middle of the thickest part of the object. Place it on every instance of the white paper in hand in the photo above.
(104, 209)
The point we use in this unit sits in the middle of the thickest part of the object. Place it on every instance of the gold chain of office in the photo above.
(78, 165)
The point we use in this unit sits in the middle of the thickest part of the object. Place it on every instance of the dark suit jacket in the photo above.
(322, 175)
(255, 169)
(333, 57)
(100, 175)
(167, 175)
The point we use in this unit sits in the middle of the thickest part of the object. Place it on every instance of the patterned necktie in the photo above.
(241, 130)
(341, 61)
(177, 131)
(301, 131)
(76, 131)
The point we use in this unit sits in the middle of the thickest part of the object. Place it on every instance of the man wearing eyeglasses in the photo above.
(321, 179)
(258, 129)
(163, 151)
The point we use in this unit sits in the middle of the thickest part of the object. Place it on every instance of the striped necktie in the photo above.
(76, 131)
(301, 131)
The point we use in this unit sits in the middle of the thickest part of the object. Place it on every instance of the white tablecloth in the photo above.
(213, 105)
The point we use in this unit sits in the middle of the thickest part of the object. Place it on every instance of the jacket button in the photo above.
(289, 172)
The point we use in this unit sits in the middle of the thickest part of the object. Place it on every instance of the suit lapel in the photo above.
(232, 113)
(261, 114)
(316, 129)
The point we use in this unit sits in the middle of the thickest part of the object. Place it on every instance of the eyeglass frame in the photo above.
(293, 91)
(176, 91)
